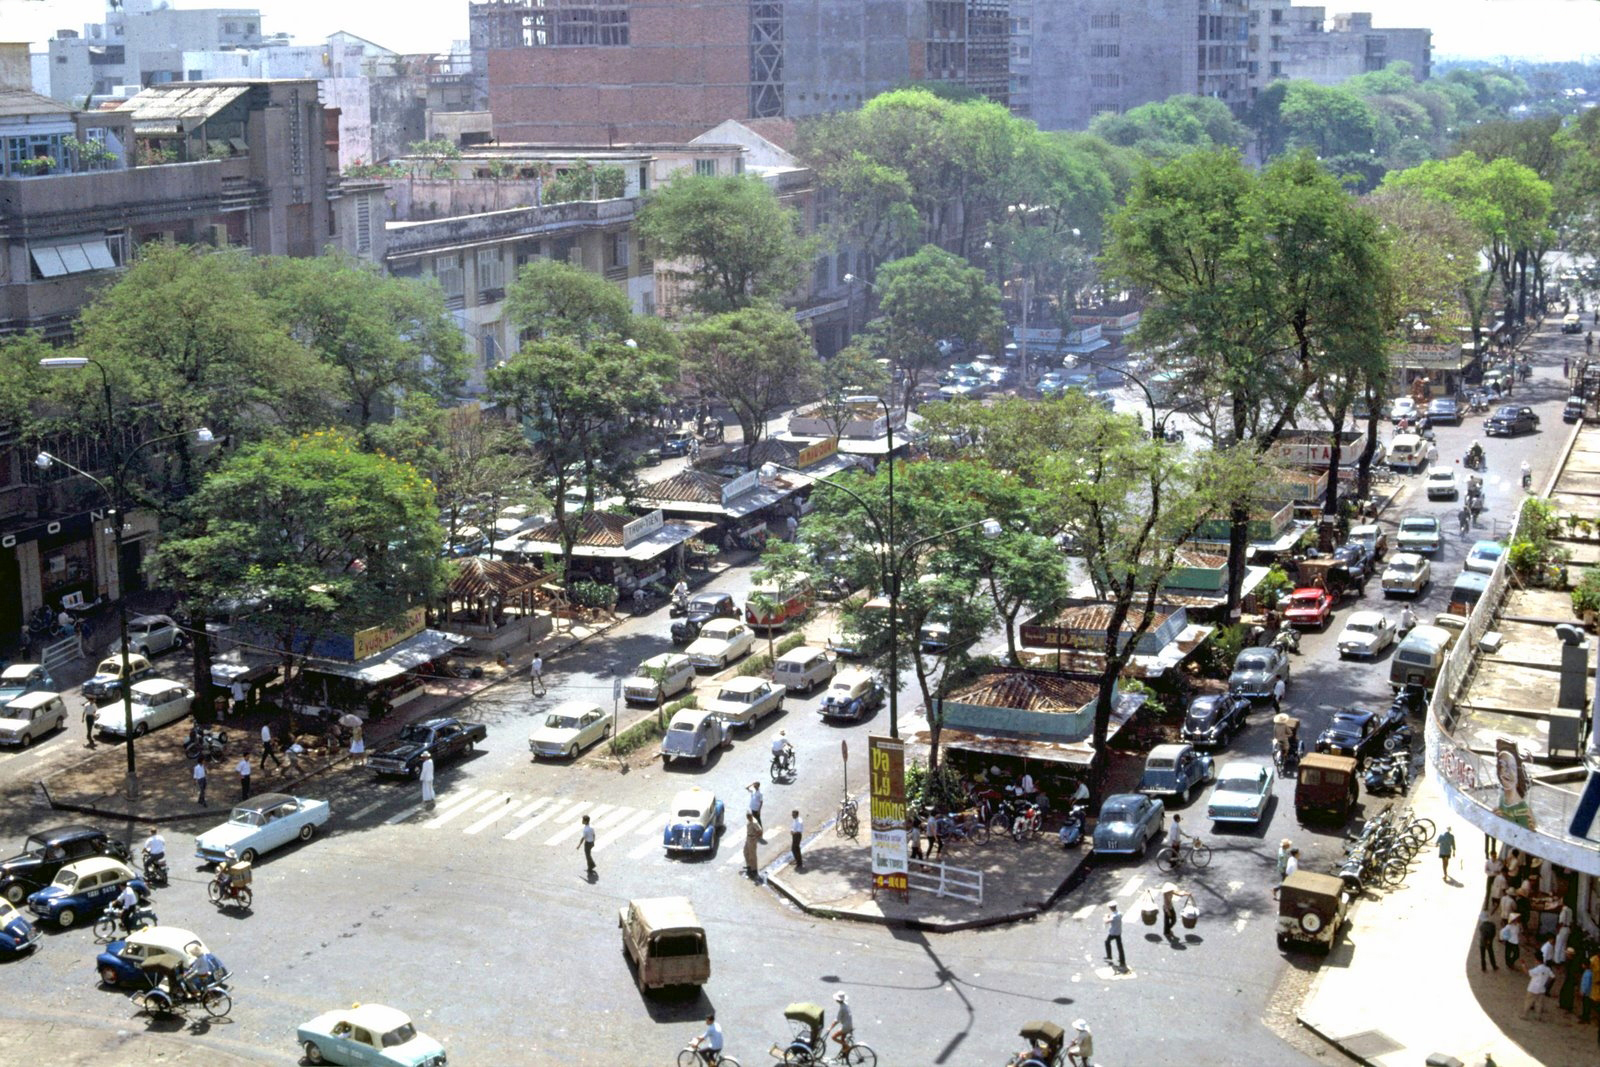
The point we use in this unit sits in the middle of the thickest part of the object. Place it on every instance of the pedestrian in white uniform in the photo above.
(425, 776)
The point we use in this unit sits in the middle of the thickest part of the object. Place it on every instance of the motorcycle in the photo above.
(1072, 829)
(155, 868)
(114, 921)
(1527, 479)
(209, 744)
(1286, 754)
(1400, 739)
(231, 884)
(1388, 775)
(782, 767)
(680, 606)
(1473, 460)
(1287, 640)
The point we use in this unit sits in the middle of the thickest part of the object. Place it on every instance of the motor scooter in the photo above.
(1072, 829)
(679, 606)
(1287, 640)
(1388, 775)
(155, 868)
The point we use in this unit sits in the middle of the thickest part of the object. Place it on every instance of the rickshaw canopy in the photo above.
(804, 1012)
(1045, 1033)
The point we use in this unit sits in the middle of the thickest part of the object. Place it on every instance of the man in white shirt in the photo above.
(755, 805)
(1539, 979)
(797, 830)
(127, 900)
(243, 767)
(200, 779)
(586, 842)
(709, 1044)
(1291, 864)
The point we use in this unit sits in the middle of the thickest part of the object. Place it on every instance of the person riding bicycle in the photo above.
(225, 871)
(1176, 834)
(782, 750)
(844, 1024)
(194, 974)
(711, 1039)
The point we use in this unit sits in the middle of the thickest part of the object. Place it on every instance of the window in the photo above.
(491, 270)
(363, 225)
(1105, 51)
(820, 275)
(452, 279)
(576, 22)
(705, 167)
(617, 254)
(1105, 22)
(644, 179)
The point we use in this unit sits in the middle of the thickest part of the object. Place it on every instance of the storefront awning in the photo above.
(393, 661)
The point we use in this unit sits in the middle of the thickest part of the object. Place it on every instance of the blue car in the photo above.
(84, 888)
(697, 817)
(1128, 823)
(17, 934)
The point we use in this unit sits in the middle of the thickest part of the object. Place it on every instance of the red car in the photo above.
(1310, 607)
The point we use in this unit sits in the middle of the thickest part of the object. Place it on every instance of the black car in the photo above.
(1355, 559)
(1212, 720)
(1364, 733)
(1444, 409)
(441, 738)
(1510, 420)
(703, 607)
(44, 854)
(1572, 411)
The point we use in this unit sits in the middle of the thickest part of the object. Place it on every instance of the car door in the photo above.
(591, 725)
(448, 739)
(171, 707)
(277, 825)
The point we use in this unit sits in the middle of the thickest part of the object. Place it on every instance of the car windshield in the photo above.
(561, 722)
(1202, 711)
(1402, 566)
(1239, 784)
(1422, 525)
(1119, 810)
(1362, 627)
(1308, 600)
(399, 1035)
(246, 817)
(1346, 722)
(1509, 413)
(689, 813)
(1253, 662)
(735, 696)
(66, 879)
(416, 733)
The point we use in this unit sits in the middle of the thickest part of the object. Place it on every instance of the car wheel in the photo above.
(308, 831)
(314, 1054)
(143, 650)
(471, 747)
(141, 729)
(16, 893)
(108, 974)
(571, 752)
(66, 917)
(248, 856)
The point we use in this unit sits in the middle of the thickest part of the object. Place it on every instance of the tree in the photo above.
(478, 460)
(737, 242)
(1329, 120)
(756, 359)
(1170, 127)
(926, 297)
(852, 372)
(384, 338)
(549, 298)
(325, 537)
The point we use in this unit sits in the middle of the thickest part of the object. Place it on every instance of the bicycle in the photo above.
(690, 1057)
(968, 827)
(1196, 852)
(848, 821)
(799, 1055)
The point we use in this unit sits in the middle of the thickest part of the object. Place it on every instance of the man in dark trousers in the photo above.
(586, 842)
(797, 830)
(88, 721)
(1114, 933)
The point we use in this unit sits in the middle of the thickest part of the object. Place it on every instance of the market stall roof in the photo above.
(602, 535)
(477, 578)
(393, 661)
(1028, 691)
(705, 493)
(785, 453)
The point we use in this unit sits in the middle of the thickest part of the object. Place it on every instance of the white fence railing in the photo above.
(61, 652)
(943, 880)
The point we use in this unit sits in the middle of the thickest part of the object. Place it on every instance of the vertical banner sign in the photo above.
(886, 768)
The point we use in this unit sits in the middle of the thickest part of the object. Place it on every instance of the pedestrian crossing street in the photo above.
(549, 821)
(1130, 897)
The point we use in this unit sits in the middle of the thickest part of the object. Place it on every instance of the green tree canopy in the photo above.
(1166, 128)
(550, 299)
(928, 296)
(757, 359)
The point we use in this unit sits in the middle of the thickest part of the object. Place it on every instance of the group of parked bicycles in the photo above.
(1381, 854)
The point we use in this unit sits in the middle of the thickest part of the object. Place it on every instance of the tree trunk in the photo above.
(200, 642)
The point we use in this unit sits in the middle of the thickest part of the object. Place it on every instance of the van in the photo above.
(1418, 658)
(1407, 452)
(30, 716)
(1468, 590)
(665, 942)
(780, 602)
(800, 670)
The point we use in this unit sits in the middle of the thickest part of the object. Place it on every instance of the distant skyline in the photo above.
(1484, 29)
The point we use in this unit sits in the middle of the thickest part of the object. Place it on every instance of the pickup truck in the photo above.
(1510, 420)
(444, 738)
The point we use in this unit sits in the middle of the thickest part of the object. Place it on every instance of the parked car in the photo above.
(1309, 606)
(1175, 770)
(1326, 785)
(1403, 407)
(1354, 558)
(658, 678)
(1242, 793)
(154, 949)
(1407, 573)
(665, 942)
(260, 824)
(862, 635)
(1213, 719)
(22, 678)
(1311, 908)
(703, 607)
(155, 702)
(721, 641)
(30, 716)
(677, 442)
(107, 679)
(1366, 633)
(1373, 537)
(367, 1034)
(443, 738)
(17, 934)
(1419, 533)
(854, 694)
(1510, 420)
(1572, 410)
(84, 888)
(696, 819)
(1352, 732)
(569, 728)
(151, 635)
(1257, 672)
(1128, 823)
(1442, 484)
(45, 853)
(1444, 409)
(1483, 556)
(694, 733)
(747, 700)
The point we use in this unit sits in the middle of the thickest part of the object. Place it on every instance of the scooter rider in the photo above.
(155, 850)
(782, 750)
(126, 902)
(1408, 619)
(1527, 474)
(680, 593)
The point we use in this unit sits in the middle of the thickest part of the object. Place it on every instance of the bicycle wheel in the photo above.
(688, 1058)
(1201, 854)
(998, 824)
(214, 891)
(1167, 860)
(1394, 872)
(105, 928)
(1426, 826)
(244, 899)
(861, 1056)
(980, 832)
(217, 1002)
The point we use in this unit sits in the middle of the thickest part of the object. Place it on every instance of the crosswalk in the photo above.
(1131, 897)
(549, 821)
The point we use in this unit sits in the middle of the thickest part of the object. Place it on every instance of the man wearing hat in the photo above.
(1082, 1046)
(425, 776)
(844, 1025)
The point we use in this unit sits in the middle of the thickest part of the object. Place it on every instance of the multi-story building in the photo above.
(141, 43)
(1291, 42)
(614, 71)
(1088, 56)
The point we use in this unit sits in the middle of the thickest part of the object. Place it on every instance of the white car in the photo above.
(746, 701)
(1366, 633)
(1242, 792)
(658, 678)
(1406, 573)
(30, 716)
(151, 635)
(1482, 556)
(1403, 408)
(1442, 484)
(569, 728)
(1419, 533)
(156, 702)
(721, 641)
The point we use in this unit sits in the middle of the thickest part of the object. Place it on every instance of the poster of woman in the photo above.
(1513, 779)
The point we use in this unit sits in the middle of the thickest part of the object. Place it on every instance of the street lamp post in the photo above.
(116, 494)
(1158, 425)
(890, 566)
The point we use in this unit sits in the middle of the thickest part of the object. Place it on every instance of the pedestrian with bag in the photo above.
(1113, 923)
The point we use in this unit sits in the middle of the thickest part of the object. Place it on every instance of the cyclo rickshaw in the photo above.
(200, 979)
(1286, 744)
(1046, 1041)
(808, 1044)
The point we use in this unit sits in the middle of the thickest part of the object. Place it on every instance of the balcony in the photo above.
(75, 203)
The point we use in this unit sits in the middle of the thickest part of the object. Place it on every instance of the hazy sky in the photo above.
(1542, 29)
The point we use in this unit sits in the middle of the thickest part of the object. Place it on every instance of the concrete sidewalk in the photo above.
(167, 793)
(1404, 981)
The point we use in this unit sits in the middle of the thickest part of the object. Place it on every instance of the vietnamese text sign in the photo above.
(817, 453)
(886, 772)
(375, 639)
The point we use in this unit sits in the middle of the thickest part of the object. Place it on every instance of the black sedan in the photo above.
(703, 607)
(1356, 560)
(1365, 733)
(1444, 409)
(1212, 720)
(45, 853)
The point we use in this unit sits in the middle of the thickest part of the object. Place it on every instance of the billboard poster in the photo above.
(886, 768)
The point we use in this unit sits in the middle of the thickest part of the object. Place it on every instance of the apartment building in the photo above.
(141, 43)
(1288, 42)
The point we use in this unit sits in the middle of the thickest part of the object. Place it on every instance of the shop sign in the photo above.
(375, 639)
(740, 486)
(817, 453)
(642, 527)
(886, 769)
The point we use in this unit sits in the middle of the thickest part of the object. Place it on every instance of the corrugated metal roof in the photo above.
(1094, 618)
(597, 528)
(1028, 692)
(183, 101)
(18, 103)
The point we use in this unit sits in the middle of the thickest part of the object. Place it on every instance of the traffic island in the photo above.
(1019, 880)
